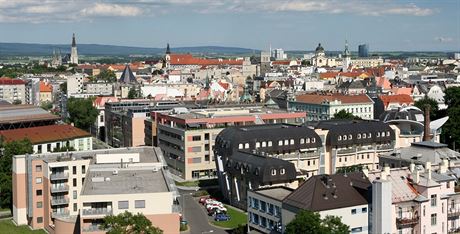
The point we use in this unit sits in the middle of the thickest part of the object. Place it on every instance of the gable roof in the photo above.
(48, 88)
(328, 192)
(400, 98)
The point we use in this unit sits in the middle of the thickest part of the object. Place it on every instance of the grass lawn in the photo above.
(7, 226)
(236, 218)
(198, 183)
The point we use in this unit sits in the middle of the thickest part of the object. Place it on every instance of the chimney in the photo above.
(416, 176)
(385, 172)
(412, 167)
(427, 132)
(444, 166)
(428, 169)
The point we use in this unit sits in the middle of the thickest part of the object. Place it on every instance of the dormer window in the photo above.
(286, 142)
(369, 135)
(280, 143)
(350, 137)
(307, 140)
(257, 145)
(240, 146)
(344, 137)
(246, 146)
(378, 134)
(302, 141)
(292, 141)
(339, 138)
(282, 171)
(364, 135)
(256, 172)
(313, 140)
(264, 144)
(388, 133)
(270, 144)
(358, 136)
(273, 172)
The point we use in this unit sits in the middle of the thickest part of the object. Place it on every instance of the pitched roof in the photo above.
(127, 76)
(43, 134)
(188, 59)
(400, 98)
(328, 192)
(318, 99)
(9, 81)
(100, 101)
(44, 87)
(383, 82)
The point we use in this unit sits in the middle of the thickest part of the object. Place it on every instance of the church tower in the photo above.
(73, 51)
(167, 60)
(346, 58)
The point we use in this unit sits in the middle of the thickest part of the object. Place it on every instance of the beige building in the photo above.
(73, 192)
(46, 92)
(187, 137)
(12, 90)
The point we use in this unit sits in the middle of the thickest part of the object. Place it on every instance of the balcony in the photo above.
(59, 189)
(92, 228)
(385, 147)
(60, 214)
(59, 176)
(405, 222)
(346, 151)
(453, 213)
(97, 212)
(61, 201)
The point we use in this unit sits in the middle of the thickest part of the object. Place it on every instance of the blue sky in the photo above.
(289, 24)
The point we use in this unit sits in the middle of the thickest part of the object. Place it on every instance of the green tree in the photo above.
(81, 112)
(63, 87)
(107, 76)
(133, 93)
(8, 150)
(17, 102)
(343, 114)
(451, 130)
(47, 105)
(308, 222)
(421, 104)
(127, 223)
(452, 96)
(348, 169)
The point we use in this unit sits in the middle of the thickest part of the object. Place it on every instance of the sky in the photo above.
(386, 25)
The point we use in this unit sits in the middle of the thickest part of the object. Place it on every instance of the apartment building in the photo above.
(422, 200)
(75, 84)
(46, 92)
(187, 137)
(323, 148)
(323, 107)
(49, 138)
(12, 90)
(73, 192)
(100, 88)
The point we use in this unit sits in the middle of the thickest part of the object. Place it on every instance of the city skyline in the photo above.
(293, 25)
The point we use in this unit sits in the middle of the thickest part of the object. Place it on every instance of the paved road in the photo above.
(196, 217)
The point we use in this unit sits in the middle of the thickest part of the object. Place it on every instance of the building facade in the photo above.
(12, 90)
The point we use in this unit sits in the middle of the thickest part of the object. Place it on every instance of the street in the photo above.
(196, 217)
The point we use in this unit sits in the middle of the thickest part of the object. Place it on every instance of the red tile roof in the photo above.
(45, 87)
(401, 99)
(326, 75)
(44, 134)
(9, 81)
(282, 62)
(345, 99)
(188, 59)
(100, 101)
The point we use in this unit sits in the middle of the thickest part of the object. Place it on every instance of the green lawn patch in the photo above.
(198, 183)
(236, 218)
(7, 226)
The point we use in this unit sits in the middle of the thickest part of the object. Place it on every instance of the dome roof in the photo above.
(319, 48)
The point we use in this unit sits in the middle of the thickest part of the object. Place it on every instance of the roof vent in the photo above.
(115, 172)
(325, 196)
(155, 169)
(107, 179)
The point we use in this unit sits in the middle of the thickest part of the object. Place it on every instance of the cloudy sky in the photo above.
(288, 24)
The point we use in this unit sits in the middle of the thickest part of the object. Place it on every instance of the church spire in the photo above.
(346, 52)
(74, 44)
(168, 50)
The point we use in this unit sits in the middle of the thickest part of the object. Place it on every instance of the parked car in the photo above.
(211, 206)
(221, 217)
(203, 199)
(217, 210)
(211, 201)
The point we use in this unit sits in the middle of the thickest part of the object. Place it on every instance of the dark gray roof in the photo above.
(402, 114)
(429, 144)
(327, 192)
(127, 76)
(352, 127)
(259, 168)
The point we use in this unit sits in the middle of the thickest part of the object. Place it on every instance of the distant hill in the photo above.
(31, 49)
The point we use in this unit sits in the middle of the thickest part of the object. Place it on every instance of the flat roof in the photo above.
(228, 112)
(24, 113)
(278, 193)
(124, 182)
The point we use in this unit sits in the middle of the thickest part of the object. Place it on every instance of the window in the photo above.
(369, 135)
(282, 171)
(350, 137)
(344, 137)
(302, 141)
(48, 147)
(364, 210)
(355, 230)
(292, 141)
(39, 192)
(83, 169)
(196, 138)
(358, 136)
(307, 140)
(433, 219)
(339, 138)
(38, 180)
(39, 219)
(263, 206)
(74, 170)
(75, 207)
(39, 149)
(206, 136)
(82, 181)
(139, 204)
(74, 194)
(264, 144)
(286, 142)
(270, 143)
(273, 172)
(246, 145)
(39, 204)
(353, 211)
(240, 146)
(378, 134)
(38, 168)
(123, 205)
(433, 200)
(74, 182)
(364, 135)
(280, 143)
(388, 133)
(206, 157)
(313, 140)
(257, 144)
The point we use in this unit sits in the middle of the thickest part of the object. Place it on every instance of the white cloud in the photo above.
(37, 11)
(103, 9)
(444, 39)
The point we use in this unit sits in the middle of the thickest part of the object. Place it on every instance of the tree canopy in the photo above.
(106, 76)
(8, 150)
(133, 93)
(451, 130)
(433, 106)
(348, 169)
(343, 114)
(127, 223)
(81, 112)
(308, 222)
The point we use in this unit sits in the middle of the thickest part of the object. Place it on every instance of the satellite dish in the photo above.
(435, 125)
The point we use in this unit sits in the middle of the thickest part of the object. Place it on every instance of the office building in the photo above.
(363, 50)
(73, 192)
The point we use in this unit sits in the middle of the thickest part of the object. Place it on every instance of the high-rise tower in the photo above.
(73, 51)
(346, 57)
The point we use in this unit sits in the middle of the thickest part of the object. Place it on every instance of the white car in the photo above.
(213, 206)
(211, 201)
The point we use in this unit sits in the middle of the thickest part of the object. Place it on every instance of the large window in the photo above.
(139, 204)
(123, 205)
(196, 138)
(433, 200)
(433, 219)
